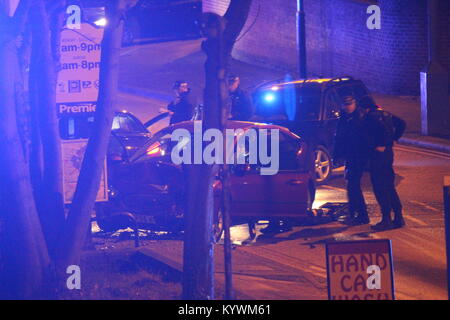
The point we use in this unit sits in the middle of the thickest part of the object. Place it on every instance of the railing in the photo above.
(446, 190)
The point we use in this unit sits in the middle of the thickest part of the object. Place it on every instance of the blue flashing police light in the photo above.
(269, 97)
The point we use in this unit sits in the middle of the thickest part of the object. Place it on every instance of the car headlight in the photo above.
(157, 150)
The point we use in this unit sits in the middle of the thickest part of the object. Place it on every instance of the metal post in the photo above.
(433, 30)
(227, 246)
(434, 81)
(301, 39)
(447, 228)
(225, 174)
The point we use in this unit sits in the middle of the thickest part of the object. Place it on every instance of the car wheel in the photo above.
(109, 221)
(322, 164)
(218, 225)
(117, 221)
(102, 217)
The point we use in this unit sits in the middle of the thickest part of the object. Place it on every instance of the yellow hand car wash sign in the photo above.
(360, 270)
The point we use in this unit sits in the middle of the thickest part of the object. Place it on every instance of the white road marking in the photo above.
(332, 188)
(437, 154)
(321, 270)
(418, 221)
(419, 237)
(128, 51)
(423, 204)
(287, 260)
(413, 244)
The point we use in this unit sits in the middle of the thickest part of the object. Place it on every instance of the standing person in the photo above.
(181, 108)
(241, 105)
(384, 128)
(351, 145)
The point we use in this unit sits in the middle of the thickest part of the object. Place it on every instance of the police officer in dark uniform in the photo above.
(181, 108)
(241, 105)
(384, 128)
(351, 145)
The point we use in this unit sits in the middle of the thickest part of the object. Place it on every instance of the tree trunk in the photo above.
(22, 242)
(198, 266)
(198, 257)
(235, 17)
(82, 206)
(43, 79)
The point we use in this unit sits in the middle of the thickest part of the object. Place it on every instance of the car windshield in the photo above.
(289, 103)
(80, 126)
(126, 123)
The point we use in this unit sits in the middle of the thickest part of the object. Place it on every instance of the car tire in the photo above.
(322, 165)
(112, 221)
(102, 217)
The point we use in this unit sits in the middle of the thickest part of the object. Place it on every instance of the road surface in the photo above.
(291, 265)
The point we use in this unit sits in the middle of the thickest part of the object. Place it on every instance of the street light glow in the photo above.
(101, 22)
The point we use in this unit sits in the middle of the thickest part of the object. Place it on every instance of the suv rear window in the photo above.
(289, 103)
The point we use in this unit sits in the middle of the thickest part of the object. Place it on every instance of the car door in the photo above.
(289, 188)
(149, 183)
(249, 197)
(265, 196)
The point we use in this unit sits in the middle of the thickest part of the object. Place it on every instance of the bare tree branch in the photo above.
(21, 16)
(43, 80)
(235, 17)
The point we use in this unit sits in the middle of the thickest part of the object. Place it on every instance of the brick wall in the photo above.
(444, 41)
(269, 36)
(339, 43)
(215, 6)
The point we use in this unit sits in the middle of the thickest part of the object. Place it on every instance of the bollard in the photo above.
(447, 227)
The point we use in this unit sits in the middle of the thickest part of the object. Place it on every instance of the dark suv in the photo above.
(309, 108)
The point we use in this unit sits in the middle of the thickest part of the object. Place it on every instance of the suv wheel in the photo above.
(322, 164)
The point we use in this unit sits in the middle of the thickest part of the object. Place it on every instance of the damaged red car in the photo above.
(147, 189)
